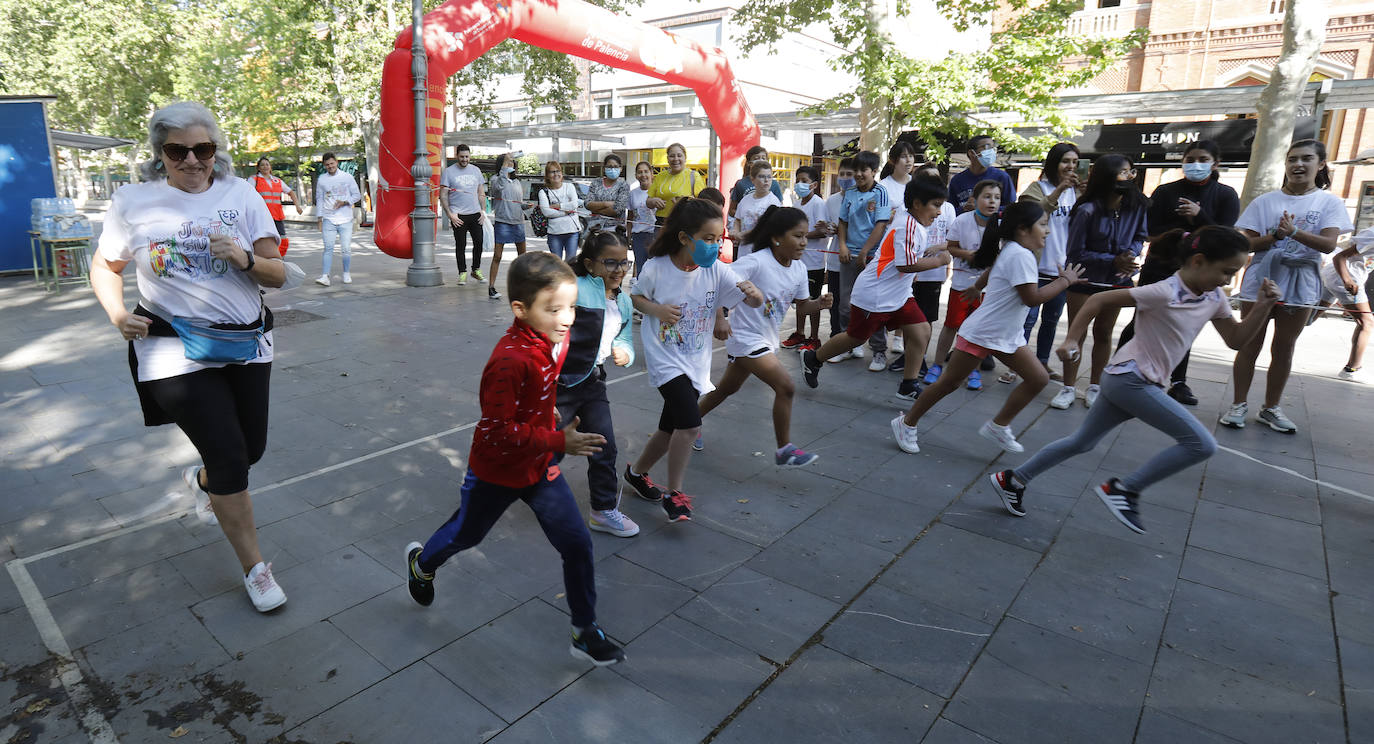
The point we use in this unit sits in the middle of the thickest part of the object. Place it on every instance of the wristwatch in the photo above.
(251, 260)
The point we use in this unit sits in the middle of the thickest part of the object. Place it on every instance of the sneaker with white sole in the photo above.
(476, 274)
(1011, 492)
(1122, 504)
(858, 352)
(897, 343)
(909, 390)
(348, 278)
(323, 281)
(1001, 435)
(612, 522)
(1235, 415)
(792, 456)
(879, 362)
(1064, 398)
(462, 278)
(205, 511)
(699, 444)
(1090, 396)
(811, 367)
(591, 644)
(262, 588)
(933, 374)
(419, 584)
(492, 294)
(1274, 418)
(905, 435)
(1351, 375)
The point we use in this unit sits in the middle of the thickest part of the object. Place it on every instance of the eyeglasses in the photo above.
(203, 151)
(613, 265)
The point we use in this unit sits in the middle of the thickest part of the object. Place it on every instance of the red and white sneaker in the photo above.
(793, 341)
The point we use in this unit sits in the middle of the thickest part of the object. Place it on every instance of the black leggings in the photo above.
(472, 225)
(224, 413)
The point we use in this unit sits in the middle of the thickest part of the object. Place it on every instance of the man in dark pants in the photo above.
(465, 198)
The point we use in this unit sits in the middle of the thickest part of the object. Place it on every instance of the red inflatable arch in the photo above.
(461, 30)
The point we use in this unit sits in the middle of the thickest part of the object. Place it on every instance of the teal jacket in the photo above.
(584, 340)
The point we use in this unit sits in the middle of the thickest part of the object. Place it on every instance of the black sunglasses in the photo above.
(203, 151)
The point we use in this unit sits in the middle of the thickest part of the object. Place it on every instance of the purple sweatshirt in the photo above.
(1097, 236)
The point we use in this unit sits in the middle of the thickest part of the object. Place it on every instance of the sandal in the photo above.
(1007, 377)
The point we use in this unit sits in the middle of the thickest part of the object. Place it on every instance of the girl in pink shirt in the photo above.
(1169, 316)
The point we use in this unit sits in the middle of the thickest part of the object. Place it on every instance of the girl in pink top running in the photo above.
(1169, 316)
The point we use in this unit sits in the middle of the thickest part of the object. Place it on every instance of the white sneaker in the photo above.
(348, 278)
(1002, 436)
(898, 344)
(613, 521)
(1064, 398)
(1235, 415)
(204, 511)
(1090, 397)
(905, 435)
(323, 281)
(879, 362)
(1351, 375)
(263, 589)
(858, 352)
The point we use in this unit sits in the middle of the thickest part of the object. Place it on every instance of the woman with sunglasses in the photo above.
(202, 244)
(601, 331)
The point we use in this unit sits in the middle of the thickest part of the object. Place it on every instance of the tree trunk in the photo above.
(876, 127)
(1304, 30)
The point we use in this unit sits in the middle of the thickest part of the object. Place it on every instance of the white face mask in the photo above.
(987, 157)
(1197, 172)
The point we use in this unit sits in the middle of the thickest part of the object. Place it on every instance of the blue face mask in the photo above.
(704, 254)
(506, 171)
(1197, 172)
(988, 157)
(803, 190)
(845, 183)
(613, 173)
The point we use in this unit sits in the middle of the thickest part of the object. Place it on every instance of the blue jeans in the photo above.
(1124, 397)
(1044, 342)
(345, 233)
(639, 243)
(564, 246)
(556, 509)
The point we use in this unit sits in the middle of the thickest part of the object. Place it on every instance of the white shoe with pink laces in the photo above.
(263, 589)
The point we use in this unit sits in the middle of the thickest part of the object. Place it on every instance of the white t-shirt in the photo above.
(817, 211)
(938, 233)
(641, 217)
(165, 232)
(896, 196)
(1294, 267)
(684, 348)
(610, 326)
(1357, 265)
(335, 188)
(754, 328)
(747, 215)
(552, 202)
(832, 215)
(969, 233)
(463, 184)
(1056, 249)
(999, 323)
(881, 287)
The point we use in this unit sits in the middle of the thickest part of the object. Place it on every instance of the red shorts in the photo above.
(958, 309)
(968, 347)
(863, 324)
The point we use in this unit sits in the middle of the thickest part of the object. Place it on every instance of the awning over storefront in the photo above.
(82, 141)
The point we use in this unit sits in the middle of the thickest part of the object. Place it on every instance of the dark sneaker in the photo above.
(793, 341)
(988, 364)
(924, 370)
(909, 390)
(492, 294)
(1180, 392)
(421, 586)
(898, 363)
(1011, 494)
(1122, 503)
(792, 457)
(678, 506)
(645, 488)
(593, 645)
(811, 368)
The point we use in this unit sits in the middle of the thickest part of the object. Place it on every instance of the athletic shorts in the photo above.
(958, 309)
(679, 405)
(815, 281)
(755, 354)
(1090, 289)
(281, 227)
(863, 323)
(968, 347)
(927, 296)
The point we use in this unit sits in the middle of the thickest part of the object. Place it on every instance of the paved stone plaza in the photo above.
(873, 597)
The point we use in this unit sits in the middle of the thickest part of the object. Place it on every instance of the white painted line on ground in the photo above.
(1296, 474)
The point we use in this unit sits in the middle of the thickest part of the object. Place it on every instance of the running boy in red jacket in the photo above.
(514, 448)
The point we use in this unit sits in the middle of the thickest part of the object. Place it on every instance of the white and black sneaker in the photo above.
(591, 644)
(1004, 483)
(1274, 419)
(811, 368)
(1122, 503)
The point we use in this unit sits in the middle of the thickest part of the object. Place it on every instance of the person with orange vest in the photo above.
(271, 188)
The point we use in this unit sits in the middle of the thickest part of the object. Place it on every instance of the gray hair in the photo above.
(182, 115)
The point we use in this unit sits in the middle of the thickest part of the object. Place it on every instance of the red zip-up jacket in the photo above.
(517, 436)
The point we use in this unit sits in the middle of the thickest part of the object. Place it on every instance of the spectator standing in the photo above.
(466, 196)
(335, 194)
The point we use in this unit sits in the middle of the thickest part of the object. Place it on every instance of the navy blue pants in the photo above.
(556, 509)
(587, 400)
(1049, 323)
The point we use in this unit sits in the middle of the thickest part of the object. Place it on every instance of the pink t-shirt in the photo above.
(1168, 318)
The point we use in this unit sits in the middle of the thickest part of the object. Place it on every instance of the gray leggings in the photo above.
(1124, 397)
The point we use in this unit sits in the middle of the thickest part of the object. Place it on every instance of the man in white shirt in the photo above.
(465, 195)
(335, 194)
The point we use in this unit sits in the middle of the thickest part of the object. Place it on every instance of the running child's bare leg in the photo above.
(1034, 378)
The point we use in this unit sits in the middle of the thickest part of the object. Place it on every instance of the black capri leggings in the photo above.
(224, 413)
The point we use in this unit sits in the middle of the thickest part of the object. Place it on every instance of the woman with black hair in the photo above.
(1056, 192)
(1106, 235)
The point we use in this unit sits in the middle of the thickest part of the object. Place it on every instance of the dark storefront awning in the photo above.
(1165, 142)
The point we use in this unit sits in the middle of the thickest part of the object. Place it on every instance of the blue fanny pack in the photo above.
(210, 342)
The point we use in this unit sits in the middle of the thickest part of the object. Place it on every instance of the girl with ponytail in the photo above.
(751, 333)
(1008, 255)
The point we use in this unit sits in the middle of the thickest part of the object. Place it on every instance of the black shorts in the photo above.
(281, 227)
(927, 296)
(815, 281)
(679, 405)
(1090, 289)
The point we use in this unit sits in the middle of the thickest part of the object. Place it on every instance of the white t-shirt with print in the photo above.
(938, 233)
(1294, 267)
(463, 184)
(747, 214)
(338, 187)
(1357, 265)
(754, 328)
(685, 347)
(881, 287)
(969, 233)
(165, 233)
(815, 257)
(999, 323)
